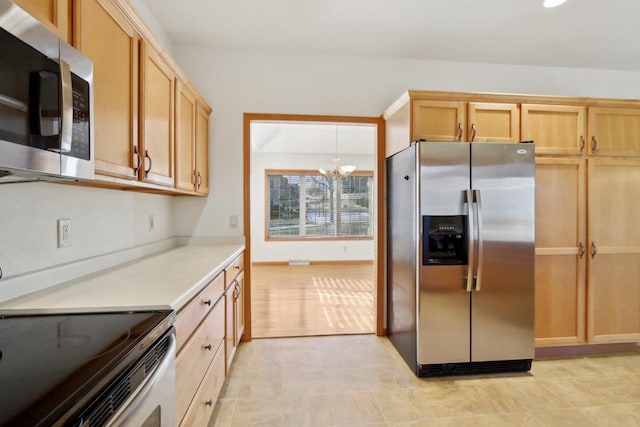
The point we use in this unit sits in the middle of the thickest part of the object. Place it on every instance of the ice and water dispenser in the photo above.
(444, 241)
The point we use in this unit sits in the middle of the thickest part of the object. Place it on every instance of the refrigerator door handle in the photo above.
(478, 201)
(470, 240)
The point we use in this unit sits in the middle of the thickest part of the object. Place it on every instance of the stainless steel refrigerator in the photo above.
(460, 256)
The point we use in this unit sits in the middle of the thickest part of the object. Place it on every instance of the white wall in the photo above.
(103, 221)
(239, 81)
(262, 250)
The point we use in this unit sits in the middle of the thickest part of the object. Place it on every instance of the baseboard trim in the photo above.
(342, 262)
(585, 349)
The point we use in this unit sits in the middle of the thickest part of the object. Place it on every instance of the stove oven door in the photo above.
(153, 403)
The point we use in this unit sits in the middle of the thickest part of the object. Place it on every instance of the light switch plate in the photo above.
(64, 233)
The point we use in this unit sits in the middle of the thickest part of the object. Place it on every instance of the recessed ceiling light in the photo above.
(553, 3)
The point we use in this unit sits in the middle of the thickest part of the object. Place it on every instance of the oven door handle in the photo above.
(138, 397)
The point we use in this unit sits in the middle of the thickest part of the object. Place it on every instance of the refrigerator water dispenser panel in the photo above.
(446, 240)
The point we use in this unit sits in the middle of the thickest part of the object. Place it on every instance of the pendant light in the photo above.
(338, 171)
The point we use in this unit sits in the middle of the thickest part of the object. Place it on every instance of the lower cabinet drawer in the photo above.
(192, 314)
(196, 355)
(203, 403)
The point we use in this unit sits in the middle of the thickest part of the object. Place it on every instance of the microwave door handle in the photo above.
(478, 201)
(66, 91)
(470, 240)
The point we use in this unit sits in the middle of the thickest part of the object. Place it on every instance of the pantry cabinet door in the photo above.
(555, 129)
(560, 286)
(493, 122)
(614, 248)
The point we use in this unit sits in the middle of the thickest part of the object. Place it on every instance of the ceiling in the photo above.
(313, 138)
(580, 33)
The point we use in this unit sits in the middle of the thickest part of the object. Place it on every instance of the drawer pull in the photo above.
(237, 267)
(207, 301)
(207, 347)
(208, 402)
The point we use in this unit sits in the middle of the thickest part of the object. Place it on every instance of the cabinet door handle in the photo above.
(138, 158)
(207, 301)
(147, 156)
(580, 250)
(594, 143)
(207, 347)
(473, 132)
(199, 180)
(582, 143)
(594, 249)
(208, 402)
(459, 132)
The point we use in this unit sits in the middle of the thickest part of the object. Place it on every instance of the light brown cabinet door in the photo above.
(614, 246)
(230, 326)
(493, 122)
(555, 129)
(560, 287)
(157, 117)
(185, 137)
(438, 120)
(239, 317)
(202, 148)
(104, 35)
(54, 14)
(614, 131)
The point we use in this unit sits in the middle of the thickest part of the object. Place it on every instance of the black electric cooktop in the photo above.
(53, 365)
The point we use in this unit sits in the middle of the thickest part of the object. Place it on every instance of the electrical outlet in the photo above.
(233, 221)
(151, 223)
(64, 233)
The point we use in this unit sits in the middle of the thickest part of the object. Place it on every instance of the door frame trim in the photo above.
(379, 177)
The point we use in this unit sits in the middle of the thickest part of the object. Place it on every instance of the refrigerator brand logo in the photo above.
(521, 151)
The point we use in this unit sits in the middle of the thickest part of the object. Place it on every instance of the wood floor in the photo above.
(324, 299)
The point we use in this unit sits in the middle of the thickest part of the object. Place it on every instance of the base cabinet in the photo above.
(208, 331)
(234, 302)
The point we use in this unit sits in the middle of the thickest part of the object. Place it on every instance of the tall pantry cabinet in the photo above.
(587, 198)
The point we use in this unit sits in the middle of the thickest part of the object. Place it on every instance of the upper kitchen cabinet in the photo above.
(452, 117)
(157, 90)
(186, 176)
(192, 140)
(203, 111)
(614, 131)
(107, 37)
(54, 14)
(555, 129)
(439, 120)
(614, 250)
(493, 122)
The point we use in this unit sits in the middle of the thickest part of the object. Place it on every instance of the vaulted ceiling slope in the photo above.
(580, 33)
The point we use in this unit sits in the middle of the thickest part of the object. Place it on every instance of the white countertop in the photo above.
(165, 280)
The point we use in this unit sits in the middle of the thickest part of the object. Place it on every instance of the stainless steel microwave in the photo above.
(46, 103)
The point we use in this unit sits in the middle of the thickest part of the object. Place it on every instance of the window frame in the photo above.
(267, 214)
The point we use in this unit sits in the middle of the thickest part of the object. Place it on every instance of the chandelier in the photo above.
(338, 171)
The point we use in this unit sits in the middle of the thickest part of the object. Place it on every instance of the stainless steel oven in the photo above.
(88, 369)
(46, 103)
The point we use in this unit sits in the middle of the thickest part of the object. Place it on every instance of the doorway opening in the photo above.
(312, 224)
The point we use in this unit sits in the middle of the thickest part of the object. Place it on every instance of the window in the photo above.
(306, 204)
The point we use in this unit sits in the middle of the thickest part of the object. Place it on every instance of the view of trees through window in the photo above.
(308, 204)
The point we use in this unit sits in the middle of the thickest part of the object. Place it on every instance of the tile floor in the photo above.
(360, 380)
